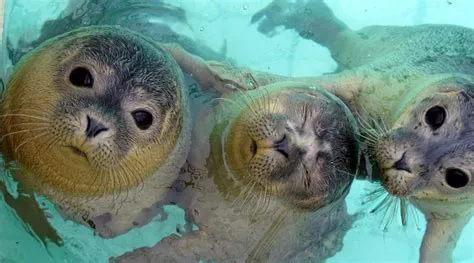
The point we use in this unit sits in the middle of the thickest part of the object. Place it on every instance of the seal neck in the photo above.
(373, 95)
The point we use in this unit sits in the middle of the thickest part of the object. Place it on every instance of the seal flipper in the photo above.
(311, 19)
(440, 238)
(211, 74)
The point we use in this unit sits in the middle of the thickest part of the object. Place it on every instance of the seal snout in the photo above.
(94, 128)
(402, 164)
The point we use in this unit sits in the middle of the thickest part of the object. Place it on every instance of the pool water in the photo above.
(373, 238)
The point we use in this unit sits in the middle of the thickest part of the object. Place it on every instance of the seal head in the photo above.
(429, 152)
(85, 111)
(297, 144)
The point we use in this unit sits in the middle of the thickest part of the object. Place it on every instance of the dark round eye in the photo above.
(143, 119)
(81, 77)
(435, 117)
(456, 178)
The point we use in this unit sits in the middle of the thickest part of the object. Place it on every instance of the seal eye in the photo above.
(143, 119)
(435, 117)
(456, 178)
(81, 77)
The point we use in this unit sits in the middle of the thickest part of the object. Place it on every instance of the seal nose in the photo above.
(282, 146)
(402, 164)
(94, 127)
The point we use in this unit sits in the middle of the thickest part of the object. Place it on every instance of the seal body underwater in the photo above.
(264, 181)
(154, 19)
(133, 15)
(412, 88)
(97, 120)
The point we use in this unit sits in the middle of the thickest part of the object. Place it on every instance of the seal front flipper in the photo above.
(311, 19)
(440, 239)
(220, 76)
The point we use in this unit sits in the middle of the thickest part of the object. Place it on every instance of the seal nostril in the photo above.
(456, 178)
(94, 128)
(283, 152)
(282, 146)
(253, 147)
(402, 164)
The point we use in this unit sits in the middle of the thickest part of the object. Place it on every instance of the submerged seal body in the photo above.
(412, 88)
(97, 121)
(265, 181)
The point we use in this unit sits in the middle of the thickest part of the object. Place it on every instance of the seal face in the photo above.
(283, 142)
(429, 152)
(84, 112)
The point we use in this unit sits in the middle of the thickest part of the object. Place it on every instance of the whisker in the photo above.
(116, 189)
(22, 115)
(414, 213)
(345, 172)
(389, 205)
(21, 131)
(266, 242)
(128, 183)
(403, 211)
(29, 123)
(230, 101)
(41, 112)
(394, 205)
(140, 181)
(381, 204)
(30, 139)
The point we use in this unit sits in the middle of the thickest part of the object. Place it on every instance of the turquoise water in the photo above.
(285, 54)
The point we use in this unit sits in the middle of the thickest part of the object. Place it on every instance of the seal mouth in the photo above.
(77, 151)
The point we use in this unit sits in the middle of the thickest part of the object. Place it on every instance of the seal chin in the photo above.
(398, 182)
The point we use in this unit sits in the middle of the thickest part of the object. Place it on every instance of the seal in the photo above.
(98, 121)
(133, 16)
(265, 181)
(412, 88)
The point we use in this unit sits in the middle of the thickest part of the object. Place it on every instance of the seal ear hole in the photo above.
(456, 178)
(143, 119)
(81, 77)
(435, 117)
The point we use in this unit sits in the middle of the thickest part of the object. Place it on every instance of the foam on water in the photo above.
(286, 54)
